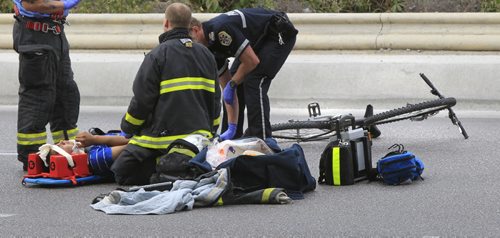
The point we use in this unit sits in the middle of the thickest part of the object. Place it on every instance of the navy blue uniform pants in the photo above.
(252, 94)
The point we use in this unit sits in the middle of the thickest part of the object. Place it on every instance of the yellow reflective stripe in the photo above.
(158, 159)
(219, 202)
(266, 194)
(187, 152)
(336, 165)
(217, 121)
(31, 135)
(40, 142)
(162, 142)
(132, 120)
(148, 142)
(186, 87)
(59, 135)
(187, 83)
(32, 139)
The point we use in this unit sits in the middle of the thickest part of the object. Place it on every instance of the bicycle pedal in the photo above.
(314, 109)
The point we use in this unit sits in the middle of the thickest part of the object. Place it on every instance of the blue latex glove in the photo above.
(229, 133)
(68, 4)
(126, 135)
(229, 91)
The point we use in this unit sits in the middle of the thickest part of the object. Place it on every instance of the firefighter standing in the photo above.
(260, 40)
(176, 93)
(47, 91)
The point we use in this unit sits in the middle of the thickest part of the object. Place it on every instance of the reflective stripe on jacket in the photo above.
(176, 93)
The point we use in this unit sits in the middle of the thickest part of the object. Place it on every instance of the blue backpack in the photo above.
(399, 166)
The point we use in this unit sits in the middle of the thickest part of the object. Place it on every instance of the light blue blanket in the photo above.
(184, 195)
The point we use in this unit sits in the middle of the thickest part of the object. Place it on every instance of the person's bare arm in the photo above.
(231, 109)
(43, 6)
(49, 6)
(87, 139)
(248, 62)
(116, 150)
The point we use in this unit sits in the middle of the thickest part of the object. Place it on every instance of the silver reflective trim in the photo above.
(223, 68)
(243, 20)
(242, 47)
(262, 108)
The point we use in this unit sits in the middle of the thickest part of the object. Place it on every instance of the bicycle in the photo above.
(319, 127)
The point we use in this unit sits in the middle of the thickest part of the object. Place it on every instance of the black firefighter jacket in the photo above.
(176, 93)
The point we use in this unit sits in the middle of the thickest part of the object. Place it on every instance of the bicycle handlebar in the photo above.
(434, 90)
(451, 114)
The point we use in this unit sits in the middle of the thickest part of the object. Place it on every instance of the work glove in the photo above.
(229, 133)
(229, 91)
(68, 4)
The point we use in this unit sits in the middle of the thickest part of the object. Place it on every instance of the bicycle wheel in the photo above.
(410, 111)
(303, 130)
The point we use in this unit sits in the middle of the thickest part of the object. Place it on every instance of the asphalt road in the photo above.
(460, 195)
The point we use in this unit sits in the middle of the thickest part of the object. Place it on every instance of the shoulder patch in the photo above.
(232, 13)
(224, 38)
(187, 42)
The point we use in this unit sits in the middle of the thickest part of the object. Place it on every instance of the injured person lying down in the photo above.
(101, 150)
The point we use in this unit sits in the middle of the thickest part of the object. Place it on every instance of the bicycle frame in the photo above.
(319, 127)
(315, 112)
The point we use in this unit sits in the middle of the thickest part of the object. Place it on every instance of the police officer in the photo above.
(47, 91)
(176, 93)
(260, 40)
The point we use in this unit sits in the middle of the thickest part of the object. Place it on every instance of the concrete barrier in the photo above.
(328, 31)
(108, 49)
(336, 79)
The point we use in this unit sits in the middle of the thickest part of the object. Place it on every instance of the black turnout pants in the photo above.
(135, 165)
(47, 91)
(252, 94)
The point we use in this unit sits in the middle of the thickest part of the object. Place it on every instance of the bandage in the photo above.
(45, 149)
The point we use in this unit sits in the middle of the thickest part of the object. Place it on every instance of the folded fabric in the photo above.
(183, 196)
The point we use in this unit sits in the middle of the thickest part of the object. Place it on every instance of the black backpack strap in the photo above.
(183, 144)
(96, 131)
(373, 175)
(399, 149)
(322, 164)
(321, 178)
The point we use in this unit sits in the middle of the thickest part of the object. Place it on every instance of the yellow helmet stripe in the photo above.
(187, 152)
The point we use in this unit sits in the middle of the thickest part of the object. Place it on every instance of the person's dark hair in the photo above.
(194, 22)
(178, 14)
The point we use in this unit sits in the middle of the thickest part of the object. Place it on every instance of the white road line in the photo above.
(8, 153)
(6, 215)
